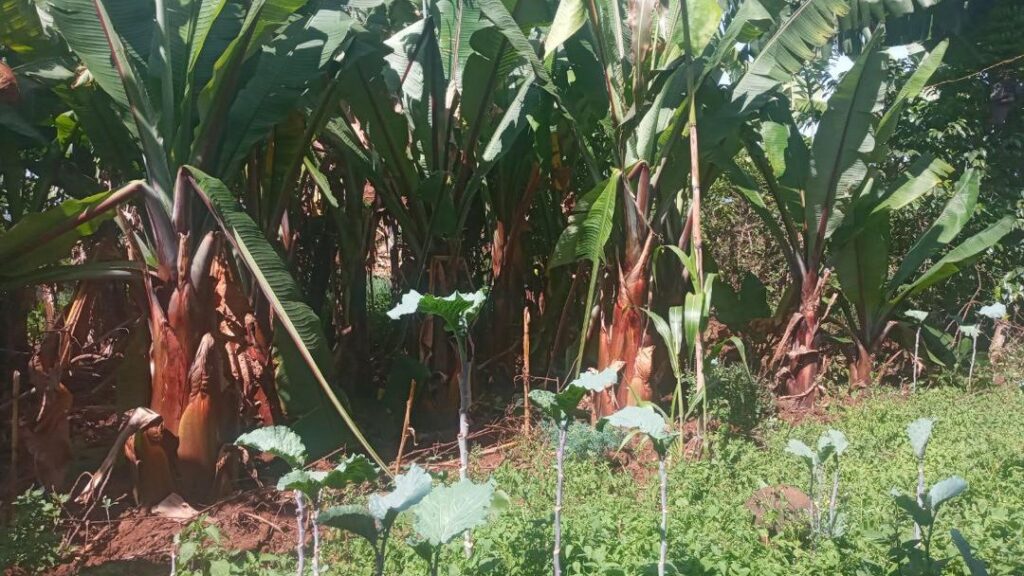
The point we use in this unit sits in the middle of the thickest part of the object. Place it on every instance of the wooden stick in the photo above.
(526, 370)
(405, 426)
(14, 434)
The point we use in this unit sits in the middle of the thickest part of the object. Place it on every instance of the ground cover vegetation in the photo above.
(553, 278)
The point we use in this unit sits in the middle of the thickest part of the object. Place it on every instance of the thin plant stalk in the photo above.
(917, 342)
(698, 243)
(380, 554)
(300, 521)
(920, 495)
(316, 540)
(833, 501)
(663, 476)
(556, 554)
(465, 400)
(526, 371)
(974, 354)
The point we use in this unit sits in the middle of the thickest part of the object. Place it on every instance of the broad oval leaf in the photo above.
(995, 311)
(410, 488)
(908, 504)
(457, 310)
(643, 419)
(944, 490)
(352, 518)
(798, 448)
(353, 470)
(309, 482)
(448, 511)
(920, 431)
(974, 564)
(280, 441)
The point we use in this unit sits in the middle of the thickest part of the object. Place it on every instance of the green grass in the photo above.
(610, 515)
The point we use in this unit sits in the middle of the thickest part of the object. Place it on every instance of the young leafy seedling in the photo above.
(918, 317)
(457, 311)
(561, 407)
(375, 520)
(647, 421)
(447, 512)
(924, 511)
(831, 445)
(285, 444)
(972, 332)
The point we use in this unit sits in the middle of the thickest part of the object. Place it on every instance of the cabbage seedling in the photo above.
(924, 511)
(448, 511)
(375, 520)
(561, 407)
(458, 312)
(647, 421)
(972, 332)
(831, 446)
(918, 317)
(306, 484)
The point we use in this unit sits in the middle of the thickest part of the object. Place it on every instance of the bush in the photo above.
(31, 541)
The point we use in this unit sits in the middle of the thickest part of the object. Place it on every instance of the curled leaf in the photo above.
(277, 440)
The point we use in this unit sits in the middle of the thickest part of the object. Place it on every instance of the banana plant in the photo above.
(838, 214)
(656, 75)
(375, 520)
(562, 407)
(202, 85)
(831, 445)
(651, 424)
(282, 443)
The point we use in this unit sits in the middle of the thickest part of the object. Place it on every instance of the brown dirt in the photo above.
(260, 519)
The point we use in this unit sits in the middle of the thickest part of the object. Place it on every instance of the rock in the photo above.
(777, 507)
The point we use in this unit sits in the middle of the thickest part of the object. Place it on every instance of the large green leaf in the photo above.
(496, 12)
(30, 243)
(947, 226)
(570, 16)
(90, 31)
(410, 489)
(642, 418)
(561, 406)
(952, 262)
(104, 270)
(448, 511)
(457, 310)
(843, 140)
(589, 226)
(795, 41)
(943, 491)
(272, 276)
(353, 470)
(920, 432)
(863, 265)
(280, 441)
(908, 92)
(285, 68)
(351, 518)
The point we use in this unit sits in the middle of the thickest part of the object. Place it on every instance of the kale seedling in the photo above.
(561, 407)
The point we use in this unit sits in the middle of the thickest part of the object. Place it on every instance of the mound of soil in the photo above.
(140, 543)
